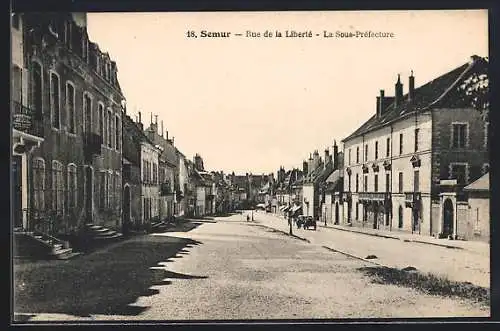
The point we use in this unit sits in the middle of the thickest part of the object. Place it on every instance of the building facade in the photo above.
(394, 163)
(73, 87)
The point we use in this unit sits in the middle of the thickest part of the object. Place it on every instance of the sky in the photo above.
(255, 104)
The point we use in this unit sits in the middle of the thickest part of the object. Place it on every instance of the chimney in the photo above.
(140, 121)
(162, 128)
(166, 133)
(411, 87)
(335, 155)
(399, 92)
(151, 122)
(305, 167)
(381, 103)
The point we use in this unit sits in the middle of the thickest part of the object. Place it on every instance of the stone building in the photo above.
(182, 174)
(477, 224)
(75, 176)
(169, 184)
(394, 162)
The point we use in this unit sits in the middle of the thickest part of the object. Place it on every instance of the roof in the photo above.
(440, 92)
(333, 181)
(481, 184)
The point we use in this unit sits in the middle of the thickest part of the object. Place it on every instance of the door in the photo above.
(126, 208)
(448, 217)
(375, 216)
(17, 191)
(336, 213)
(88, 194)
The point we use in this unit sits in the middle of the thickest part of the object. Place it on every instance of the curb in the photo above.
(281, 231)
(355, 257)
(392, 237)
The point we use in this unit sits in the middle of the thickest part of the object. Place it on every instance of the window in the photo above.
(416, 139)
(400, 217)
(477, 227)
(70, 105)
(110, 190)
(101, 120)
(67, 34)
(365, 184)
(105, 128)
(400, 143)
(38, 184)
(57, 187)
(55, 101)
(357, 182)
(118, 191)
(375, 183)
(17, 88)
(85, 45)
(15, 21)
(117, 133)
(400, 188)
(388, 147)
(349, 182)
(357, 210)
(459, 135)
(87, 116)
(387, 182)
(110, 127)
(72, 187)
(357, 154)
(366, 152)
(37, 89)
(349, 158)
(416, 181)
(376, 150)
(458, 171)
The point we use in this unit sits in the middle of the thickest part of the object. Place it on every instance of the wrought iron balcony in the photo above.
(374, 196)
(92, 143)
(26, 120)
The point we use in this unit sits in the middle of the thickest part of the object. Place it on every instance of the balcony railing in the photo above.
(26, 120)
(374, 196)
(92, 143)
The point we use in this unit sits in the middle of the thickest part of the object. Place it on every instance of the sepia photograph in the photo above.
(249, 166)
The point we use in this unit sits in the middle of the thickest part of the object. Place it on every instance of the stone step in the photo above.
(63, 253)
(111, 236)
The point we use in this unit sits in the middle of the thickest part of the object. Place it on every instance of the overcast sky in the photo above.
(252, 105)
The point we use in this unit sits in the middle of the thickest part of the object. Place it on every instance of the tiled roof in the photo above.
(439, 92)
(333, 181)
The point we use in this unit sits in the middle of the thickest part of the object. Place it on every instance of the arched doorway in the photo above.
(126, 208)
(448, 217)
(88, 194)
(336, 213)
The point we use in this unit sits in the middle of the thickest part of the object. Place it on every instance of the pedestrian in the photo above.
(248, 218)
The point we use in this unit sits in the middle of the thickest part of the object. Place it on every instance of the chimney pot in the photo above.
(411, 86)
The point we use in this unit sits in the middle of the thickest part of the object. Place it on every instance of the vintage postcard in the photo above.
(243, 166)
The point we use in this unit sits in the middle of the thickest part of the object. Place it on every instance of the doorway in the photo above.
(337, 213)
(375, 216)
(448, 217)
(88, 194)
(126, 208)
(17, 191)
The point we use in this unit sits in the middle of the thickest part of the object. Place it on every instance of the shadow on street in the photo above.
(106, 281)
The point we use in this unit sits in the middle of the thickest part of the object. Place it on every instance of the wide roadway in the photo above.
(241, 270)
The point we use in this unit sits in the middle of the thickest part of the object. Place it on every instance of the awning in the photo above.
(286, 208)
(296, 208)
(261, 205)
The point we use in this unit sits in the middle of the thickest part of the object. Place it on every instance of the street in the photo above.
(228, 269)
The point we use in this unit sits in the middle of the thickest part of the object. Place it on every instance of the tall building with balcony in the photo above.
(405, 166)
(73, 90)
(27, 126)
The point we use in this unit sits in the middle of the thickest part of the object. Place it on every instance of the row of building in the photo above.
(419, 164)
(79, 159)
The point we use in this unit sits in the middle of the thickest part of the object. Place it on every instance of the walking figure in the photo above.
(248, 218)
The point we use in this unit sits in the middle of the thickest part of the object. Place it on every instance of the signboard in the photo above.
(21, 122)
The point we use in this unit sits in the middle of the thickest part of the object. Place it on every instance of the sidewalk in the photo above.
(469, 264)
(473, 246)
